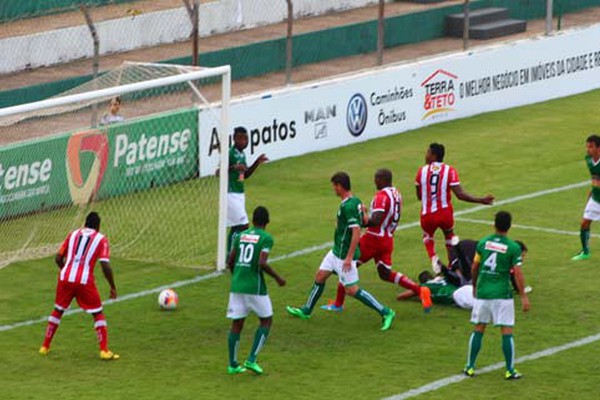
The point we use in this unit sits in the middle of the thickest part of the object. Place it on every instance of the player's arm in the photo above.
(464, 196)
(475, 272)
(264, 265)
(231, 258)
(418, 187)
(407, 294)
(59, 260)
(352, 248)
(260, 160)
(520, 281)
(108, 274)
(375, 219)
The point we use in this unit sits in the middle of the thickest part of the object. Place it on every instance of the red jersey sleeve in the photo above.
(104, 250)
(453, 177)
(380, 202)
(64, 247)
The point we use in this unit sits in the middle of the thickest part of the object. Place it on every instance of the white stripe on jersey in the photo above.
(444, 187)
(81, 246)
(434, 196)
(63, 271)
(88, 258)
(424, 194)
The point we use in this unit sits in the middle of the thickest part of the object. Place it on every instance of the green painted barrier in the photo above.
(269, 56)
(98, 164)
(18, 9)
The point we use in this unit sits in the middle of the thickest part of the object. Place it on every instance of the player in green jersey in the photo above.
(237, 219)
(248, 261)
(342, 258)
(592, 209)
(443, 291)
(496, 256)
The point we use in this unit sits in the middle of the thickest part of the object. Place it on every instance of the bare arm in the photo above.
(418, 187)
(352, 248)
(464, 196)
(231, 259)
(59, 260)
(108, 274)
(520, 280)
(406, 295)
(375, 219)
(260, 160)
(263, 262)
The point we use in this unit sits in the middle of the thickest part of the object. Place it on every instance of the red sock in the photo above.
(340, 296)
(53, 323)
(429, 245)
(409, 284)
(101, 332)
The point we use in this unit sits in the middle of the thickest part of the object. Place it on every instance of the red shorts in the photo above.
(442, 219)
(87, 296)
(378, 248)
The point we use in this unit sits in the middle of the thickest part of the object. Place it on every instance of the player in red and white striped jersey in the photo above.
(435, 183)
(76, 259)
(377, 243)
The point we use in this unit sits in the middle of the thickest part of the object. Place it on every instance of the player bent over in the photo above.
(377, 243)
(496, 256)
(237, 219)
(435, 183)
(592, 208)
(247, 261)
(342, 258)
(76, 260)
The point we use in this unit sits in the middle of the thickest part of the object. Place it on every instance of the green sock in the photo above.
(474, 347)
(508, 348)
(367, 299)
(584, 235)
(313, 297)
(260, 338)
(234, 344)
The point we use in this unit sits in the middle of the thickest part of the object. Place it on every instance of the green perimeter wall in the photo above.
(349, 40)
(18, 9)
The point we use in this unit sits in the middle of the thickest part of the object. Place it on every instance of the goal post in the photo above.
(166, 100)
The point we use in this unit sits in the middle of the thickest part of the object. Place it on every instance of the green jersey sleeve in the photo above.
(353, 213)
(268, 244)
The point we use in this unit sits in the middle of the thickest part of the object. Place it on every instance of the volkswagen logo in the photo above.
(356, 115)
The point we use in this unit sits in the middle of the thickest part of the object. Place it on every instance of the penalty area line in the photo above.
(441, 383)
(297, 253)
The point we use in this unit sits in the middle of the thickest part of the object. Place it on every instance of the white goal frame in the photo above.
(223, 71)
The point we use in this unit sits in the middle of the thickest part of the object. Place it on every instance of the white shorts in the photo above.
(500, 312)
(333, 264)
(236, 209)
(592, 210)
(463, 297)
(241, 304)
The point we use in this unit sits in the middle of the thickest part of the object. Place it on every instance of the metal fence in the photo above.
(71, 41)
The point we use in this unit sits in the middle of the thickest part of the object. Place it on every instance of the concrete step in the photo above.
(455, 22)
(496, 29)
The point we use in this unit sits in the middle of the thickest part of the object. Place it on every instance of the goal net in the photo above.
(127, 146)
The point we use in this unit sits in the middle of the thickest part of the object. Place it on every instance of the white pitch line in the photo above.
(298, 253)
(441, 383)
(526, 227)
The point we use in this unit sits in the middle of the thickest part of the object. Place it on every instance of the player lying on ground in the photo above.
(434, 183)
(248, 260)
(342, 258)
(443, 291)
(76, 260)
(237, 219)
(495, 257)
(377, 243)
(592, 208)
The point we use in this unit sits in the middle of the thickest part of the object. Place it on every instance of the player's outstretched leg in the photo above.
(389, 275)
(338, 303)
(53, 323)
(260, 338)
(367, 299)
(233, 344)
(306, 310)
(102, 334)
(474, 346)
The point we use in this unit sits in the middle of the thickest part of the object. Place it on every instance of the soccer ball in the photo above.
(168, 299)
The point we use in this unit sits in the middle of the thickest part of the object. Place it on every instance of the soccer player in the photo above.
(237, 219)
(434, 183)
(248, 260)
(76, 259)
(592, 209)
(443, 291)
(342, 258)
(377, 243)
(496, 256)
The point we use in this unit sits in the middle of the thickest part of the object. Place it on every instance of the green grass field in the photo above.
(183, 354)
